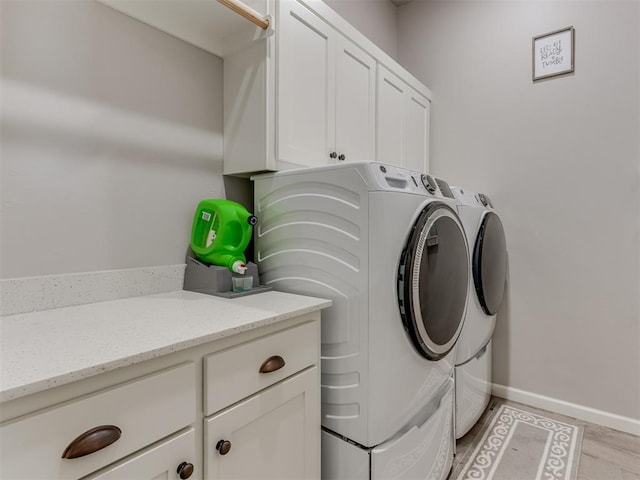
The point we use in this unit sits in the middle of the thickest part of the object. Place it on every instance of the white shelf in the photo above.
(204, 23)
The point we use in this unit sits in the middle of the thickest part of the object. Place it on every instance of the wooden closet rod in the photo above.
(247, 12)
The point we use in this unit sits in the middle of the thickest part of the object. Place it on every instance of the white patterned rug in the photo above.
(520, 445)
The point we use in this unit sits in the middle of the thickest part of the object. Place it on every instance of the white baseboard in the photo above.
(599, 417)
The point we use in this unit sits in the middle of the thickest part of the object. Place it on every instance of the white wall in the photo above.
(376, 19)
(111, 132)
(560, 159)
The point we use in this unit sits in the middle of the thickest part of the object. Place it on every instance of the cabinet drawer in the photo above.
(234, 374)
(145, 410)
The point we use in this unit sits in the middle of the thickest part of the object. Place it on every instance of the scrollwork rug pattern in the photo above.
(521, 445)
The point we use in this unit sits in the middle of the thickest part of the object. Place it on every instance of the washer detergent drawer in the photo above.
(473, 390)
(424, 451)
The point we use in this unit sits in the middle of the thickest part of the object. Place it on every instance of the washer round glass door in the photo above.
(490, 263)
(433, 281)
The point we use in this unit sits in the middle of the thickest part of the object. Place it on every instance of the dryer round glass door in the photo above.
(490, 263)
(433, 281)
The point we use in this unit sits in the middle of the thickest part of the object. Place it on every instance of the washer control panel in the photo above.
(398, 178)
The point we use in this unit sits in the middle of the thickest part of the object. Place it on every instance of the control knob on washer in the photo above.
(429, 183)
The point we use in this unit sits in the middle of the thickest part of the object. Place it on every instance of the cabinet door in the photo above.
(355, 102)
(416, 131)
(306, 86)
(161, 461)
(390, 143)
(274, 434)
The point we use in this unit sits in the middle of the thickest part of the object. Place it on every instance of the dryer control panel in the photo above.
(484, 200)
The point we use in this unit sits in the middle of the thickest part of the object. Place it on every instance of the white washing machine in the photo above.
(390, 251)
(488, 255)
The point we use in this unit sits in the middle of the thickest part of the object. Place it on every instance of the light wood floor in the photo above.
(606, 454)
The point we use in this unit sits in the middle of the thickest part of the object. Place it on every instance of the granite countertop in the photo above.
(49, 348)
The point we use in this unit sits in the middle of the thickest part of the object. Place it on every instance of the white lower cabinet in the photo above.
(163, 418)
(84, 435)
(172, 458)
(318, 92)
(257, 365)
(273, 434)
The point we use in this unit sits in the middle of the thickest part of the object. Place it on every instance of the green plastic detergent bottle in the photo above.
(221, 232)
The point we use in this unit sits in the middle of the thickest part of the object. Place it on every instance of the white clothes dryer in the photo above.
(389, 250)
(488, 255)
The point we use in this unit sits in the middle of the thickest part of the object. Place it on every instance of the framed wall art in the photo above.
(553, 53)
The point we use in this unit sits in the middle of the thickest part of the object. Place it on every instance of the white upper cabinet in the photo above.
(306, 86)
(355, 121)
(417, 110)
(390, 129)
(402, 134)
(326, 92)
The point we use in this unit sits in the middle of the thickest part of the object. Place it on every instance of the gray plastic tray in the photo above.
(214, 280)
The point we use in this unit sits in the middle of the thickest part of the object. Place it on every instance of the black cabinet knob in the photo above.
(333, 155)
(342, 157)
(223, 447)
(185, 470)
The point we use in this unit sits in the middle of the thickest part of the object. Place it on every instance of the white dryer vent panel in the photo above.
(311, 239)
